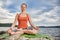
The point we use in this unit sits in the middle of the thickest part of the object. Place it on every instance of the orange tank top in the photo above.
(22, 22)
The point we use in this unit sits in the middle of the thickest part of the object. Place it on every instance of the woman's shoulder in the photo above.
(17, 14)
(28, 15)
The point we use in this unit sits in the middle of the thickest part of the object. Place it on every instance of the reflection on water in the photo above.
(55, 32)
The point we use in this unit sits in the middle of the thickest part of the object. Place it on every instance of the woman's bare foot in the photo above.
(12, 33)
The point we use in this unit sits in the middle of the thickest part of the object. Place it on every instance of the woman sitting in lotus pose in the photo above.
(22, 19)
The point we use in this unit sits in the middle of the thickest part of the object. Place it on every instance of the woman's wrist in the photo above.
(36, 28)
(11, 27)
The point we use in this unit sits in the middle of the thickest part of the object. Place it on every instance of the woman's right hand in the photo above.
(11, 28)
(19, 29)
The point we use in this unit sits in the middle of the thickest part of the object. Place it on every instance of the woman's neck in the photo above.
(23, 12)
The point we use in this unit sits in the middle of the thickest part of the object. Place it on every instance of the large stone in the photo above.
(6, 36)
(29, 37)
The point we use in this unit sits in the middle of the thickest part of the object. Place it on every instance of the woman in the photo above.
(22, 19)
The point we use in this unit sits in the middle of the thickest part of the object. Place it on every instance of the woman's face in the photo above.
(23, 7)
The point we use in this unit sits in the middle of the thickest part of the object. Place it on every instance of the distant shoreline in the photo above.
(9, 24)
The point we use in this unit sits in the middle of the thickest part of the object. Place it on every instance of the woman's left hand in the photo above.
(19, 29)
(36, 28)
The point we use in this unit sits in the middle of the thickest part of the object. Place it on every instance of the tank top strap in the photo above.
(28, 16)
(18, 14)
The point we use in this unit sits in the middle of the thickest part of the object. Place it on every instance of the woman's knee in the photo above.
(20, 32)
(31, 31)
(9, 30)
(34, 31)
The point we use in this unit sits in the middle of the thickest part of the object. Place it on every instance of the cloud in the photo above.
(5, 15)
(43, 12)
(41, 3)
(8, 2)
(48, 18)
(34, 11)
(1, 3)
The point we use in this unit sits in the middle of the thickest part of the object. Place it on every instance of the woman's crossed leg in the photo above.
(22, 31)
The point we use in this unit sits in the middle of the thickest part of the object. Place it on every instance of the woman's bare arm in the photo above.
(15, 20)
(30, 21)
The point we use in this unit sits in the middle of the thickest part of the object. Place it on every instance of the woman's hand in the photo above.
(19, 29)
(36, 28)
(11, 28)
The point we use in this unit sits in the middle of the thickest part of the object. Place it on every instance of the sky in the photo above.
(42, 12)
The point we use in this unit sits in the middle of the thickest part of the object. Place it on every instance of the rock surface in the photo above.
(5, 36)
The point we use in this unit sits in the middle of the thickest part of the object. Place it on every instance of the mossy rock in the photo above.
(36, 36)
(6, 35)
